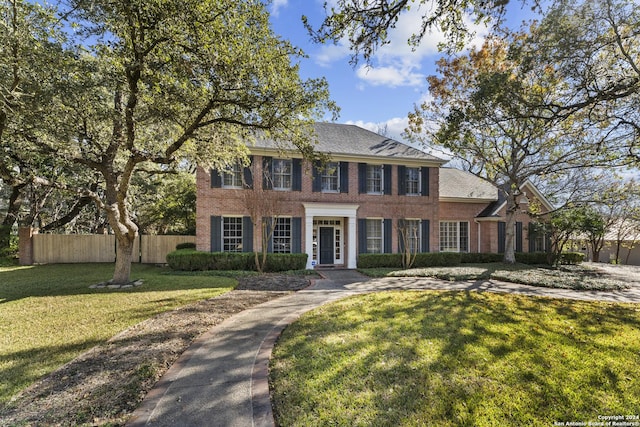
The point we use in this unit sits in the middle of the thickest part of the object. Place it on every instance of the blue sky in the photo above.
(384, 93)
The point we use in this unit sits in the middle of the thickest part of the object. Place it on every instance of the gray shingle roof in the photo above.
(459, 184)
(351, 140)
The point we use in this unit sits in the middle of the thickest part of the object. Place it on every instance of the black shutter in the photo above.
(424, 238)
(248, 174)
(402, 180)
(518, 237)
(247, 234)
(216, 179)
(362, 236)
(267, 229)
(267, 173)
(386, 170)
(216, 234)
(425, 181)
(502, 236)
(362, 178)
(401, 241)
(344, 177)
(547, 239)
(386, 236)
(532, 238)
(296, 235)
(296, 174)
(317, 178)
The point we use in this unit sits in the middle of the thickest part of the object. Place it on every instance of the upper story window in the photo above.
(374, 179)
(282, 174)
(232, 178)
(330, 178)
(412, 179)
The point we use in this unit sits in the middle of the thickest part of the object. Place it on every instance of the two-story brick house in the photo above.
(374, 196)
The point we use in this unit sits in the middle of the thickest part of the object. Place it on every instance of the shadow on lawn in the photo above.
(455, 358)
(75, 279)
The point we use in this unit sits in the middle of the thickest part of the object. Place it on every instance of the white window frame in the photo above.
(233, 177)
(281, 239)
(330, 175)
(418, 182)
(229, 238)
(375, 184)
(282, 180)
(452, 238)
(375, 241)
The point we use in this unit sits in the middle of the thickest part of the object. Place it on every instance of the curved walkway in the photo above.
(222, 379)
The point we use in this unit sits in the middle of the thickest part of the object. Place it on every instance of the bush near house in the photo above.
(192, 260)
(428, 259)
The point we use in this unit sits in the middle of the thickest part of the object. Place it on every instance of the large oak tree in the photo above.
(172, 79)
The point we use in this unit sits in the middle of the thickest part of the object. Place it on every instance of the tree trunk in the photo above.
(510, 231)
(124, 258)
(595, 254)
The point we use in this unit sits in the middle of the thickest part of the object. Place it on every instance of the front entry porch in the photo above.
(325, 240)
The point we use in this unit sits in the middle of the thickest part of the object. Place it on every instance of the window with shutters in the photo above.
(374, 236)
(330, 178)
(233, 177)
(412, 233)
(232, 234)
(282, 173)
(282, 236)
(374, 179)
(412, 179)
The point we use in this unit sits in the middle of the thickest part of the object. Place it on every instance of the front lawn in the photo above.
(457, 358)
(576, 277)
(49, 315)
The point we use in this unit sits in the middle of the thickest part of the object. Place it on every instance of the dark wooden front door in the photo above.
(326, 245)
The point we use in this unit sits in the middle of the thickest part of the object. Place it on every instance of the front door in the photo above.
(326, 245)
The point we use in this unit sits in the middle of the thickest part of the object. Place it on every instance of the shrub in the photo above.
(533, 258)
(427, 259)
(185, 245)
(192, 260)
(572, 258)
(480, 258)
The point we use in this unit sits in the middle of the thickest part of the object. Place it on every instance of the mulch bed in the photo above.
(106, 384)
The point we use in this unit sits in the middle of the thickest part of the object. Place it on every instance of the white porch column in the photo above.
(308, 239)
(351, 249)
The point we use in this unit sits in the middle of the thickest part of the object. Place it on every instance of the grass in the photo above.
(49, 315)
(567, 277)
(457, 359)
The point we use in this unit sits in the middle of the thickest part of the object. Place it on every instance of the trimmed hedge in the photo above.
(480, 258)
(572, 258)
(427, 259)
(192, 260)
(533, 258)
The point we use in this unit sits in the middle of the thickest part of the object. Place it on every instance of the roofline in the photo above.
(537, 194)
(465, 200)
(355, 158)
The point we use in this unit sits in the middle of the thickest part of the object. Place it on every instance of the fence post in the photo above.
(25, 244)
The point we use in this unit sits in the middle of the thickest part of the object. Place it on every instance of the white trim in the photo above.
(537, 194)
(349, 211)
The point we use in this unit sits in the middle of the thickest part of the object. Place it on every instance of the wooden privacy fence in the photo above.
(76, 248)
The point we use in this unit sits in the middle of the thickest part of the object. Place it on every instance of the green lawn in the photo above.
(49, 315)
(567, 277)
(457, 359)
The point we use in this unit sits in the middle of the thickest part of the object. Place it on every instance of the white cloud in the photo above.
(329, 54)
(390, 76)
(277, 5)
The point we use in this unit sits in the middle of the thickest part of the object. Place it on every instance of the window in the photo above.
(282, 236)
(413, 181)
(233, 177)
(410, 234)
(374, 236)
(330, 178)
(374, 179)
(282, 172)
(454, 236)
(232, 234)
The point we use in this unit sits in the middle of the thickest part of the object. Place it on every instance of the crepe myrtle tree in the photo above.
(173, 79)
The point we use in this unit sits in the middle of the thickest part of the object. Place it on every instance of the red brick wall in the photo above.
(221, 202)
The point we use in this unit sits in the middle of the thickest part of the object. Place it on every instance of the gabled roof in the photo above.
(493, 210)
(461, 186)
(352, 141)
